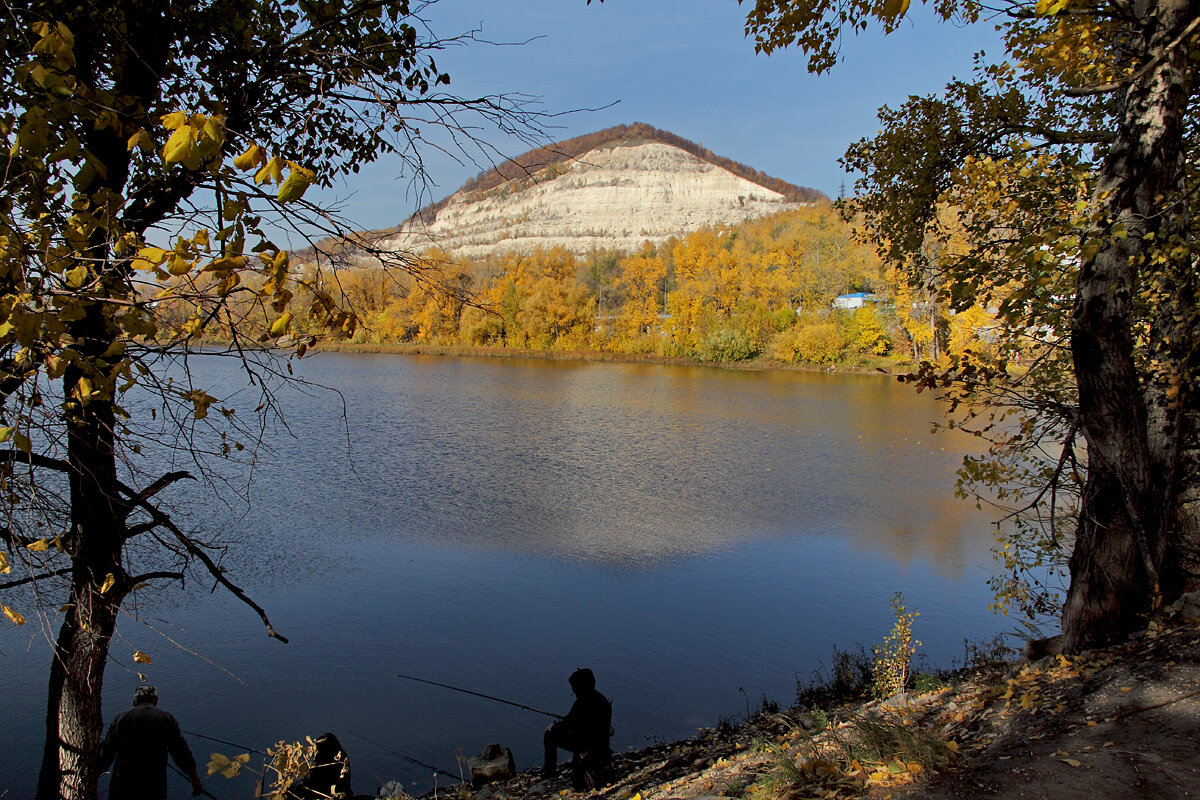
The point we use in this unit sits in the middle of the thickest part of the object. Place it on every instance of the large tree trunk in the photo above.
(1127, 539)
(74, 722)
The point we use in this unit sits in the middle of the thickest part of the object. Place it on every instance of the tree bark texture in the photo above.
(74, 721)
(1128, 533)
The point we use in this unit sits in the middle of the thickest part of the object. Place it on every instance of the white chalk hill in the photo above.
(617, 195)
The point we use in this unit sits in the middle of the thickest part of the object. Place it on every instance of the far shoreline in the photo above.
(880, 366)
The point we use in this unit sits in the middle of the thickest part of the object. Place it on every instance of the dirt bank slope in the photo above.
(1119, 723)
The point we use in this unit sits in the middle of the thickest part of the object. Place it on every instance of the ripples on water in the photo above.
(699, 537)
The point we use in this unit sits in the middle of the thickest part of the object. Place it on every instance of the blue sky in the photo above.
(680, 65)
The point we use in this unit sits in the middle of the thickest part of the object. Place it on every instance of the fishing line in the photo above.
(406, 757)
(225, 741)
(481, 694)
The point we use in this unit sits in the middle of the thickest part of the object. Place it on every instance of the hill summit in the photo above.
(615, 188)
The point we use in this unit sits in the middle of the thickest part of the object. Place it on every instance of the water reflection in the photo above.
(630, 465)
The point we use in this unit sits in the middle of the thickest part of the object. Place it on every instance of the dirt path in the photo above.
(1122, 724)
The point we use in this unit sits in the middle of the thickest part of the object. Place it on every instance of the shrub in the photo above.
(864, 331)
(727, 344)
(783, 319)
(894, 657)
(819, 343)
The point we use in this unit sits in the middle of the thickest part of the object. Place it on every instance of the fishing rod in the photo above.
(225, 741)
(406, 757)
(481, 694)
(179, 772)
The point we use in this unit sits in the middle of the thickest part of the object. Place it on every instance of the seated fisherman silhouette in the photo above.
(585, 732)
(329, 776)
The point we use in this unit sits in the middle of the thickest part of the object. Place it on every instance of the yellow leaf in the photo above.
(253, 155)
(109, 580)
(895, 8)
(952, 746)
(1049, 8)
(296, 184)
(1027, 700)
(217, 763)
(180, 145)
(5, 567)
(13, 616)
(179, 265)
(40, 546)
(174, 120)
(280, 326)
(229, 767)
(5, 434)
(22, 442)
(1071, 761)
(264, 174)
(141, 657)
(141, 139)
(271, 172)
(214, 130)
(76, 277)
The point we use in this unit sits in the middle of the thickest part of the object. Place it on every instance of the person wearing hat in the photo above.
(584, 731)
(136, 745)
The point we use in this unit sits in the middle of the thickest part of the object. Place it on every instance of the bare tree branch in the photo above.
(16, 539)
(35, 578)
(149, 576)
(34, 460)
(161, 519)
(156, 487)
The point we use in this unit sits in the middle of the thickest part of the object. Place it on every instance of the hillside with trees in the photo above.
(764, 289)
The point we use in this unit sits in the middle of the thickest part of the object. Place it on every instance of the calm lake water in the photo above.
(700, 538)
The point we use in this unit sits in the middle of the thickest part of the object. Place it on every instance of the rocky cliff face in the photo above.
(612, 197)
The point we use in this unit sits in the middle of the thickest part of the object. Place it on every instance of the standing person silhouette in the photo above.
(137, 744)
(584, 731)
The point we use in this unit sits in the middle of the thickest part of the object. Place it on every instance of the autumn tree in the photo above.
(1071, 161)
(150, 148)
(641, 279)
